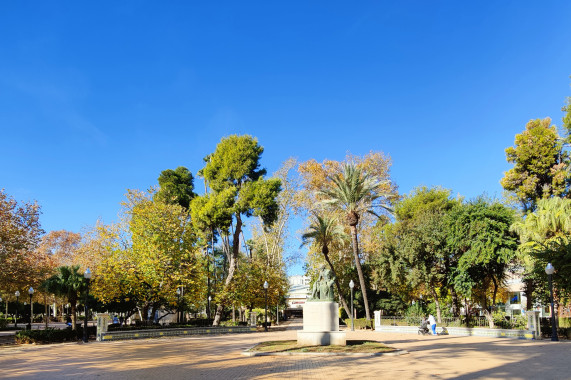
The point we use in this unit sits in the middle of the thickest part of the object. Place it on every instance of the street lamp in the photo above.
(17, 294)
(209, 299)
(352, 285)
(178, 306)
(549, 269)
(266, 315)
(31, 293)
(87, 276)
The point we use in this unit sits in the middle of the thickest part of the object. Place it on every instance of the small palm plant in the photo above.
(68, 282)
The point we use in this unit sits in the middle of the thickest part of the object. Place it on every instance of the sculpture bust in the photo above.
(322, 289)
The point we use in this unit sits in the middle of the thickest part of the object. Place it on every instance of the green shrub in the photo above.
(45, 336)
(360, 323)
(3, 323)
(414, 314)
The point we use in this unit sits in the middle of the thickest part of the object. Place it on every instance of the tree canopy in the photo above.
(238, 190)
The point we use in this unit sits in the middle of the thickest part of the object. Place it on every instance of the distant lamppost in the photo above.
(87, 276)
(31, 293)
(266, 315)
(209, 299)
(178, 305)
(17, 294)
(549, 269)
(352, 285)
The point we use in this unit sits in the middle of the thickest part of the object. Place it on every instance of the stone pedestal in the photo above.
(533, 323)
(253, 319)
(377, 319)
(103, 320)
(321, 325)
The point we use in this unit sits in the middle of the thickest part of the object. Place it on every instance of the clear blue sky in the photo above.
(98, 97)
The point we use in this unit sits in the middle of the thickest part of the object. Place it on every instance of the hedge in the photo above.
(360, 323)
(51, 335)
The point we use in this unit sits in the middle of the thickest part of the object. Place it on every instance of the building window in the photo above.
(515, 298)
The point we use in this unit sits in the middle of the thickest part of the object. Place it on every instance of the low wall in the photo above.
(157, 333)
(464, 331)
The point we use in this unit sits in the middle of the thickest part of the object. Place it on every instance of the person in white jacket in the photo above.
(432, 322)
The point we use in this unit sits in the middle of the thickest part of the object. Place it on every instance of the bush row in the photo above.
(360, 323)
(51, 335)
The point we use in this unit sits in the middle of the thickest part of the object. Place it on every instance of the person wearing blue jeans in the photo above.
(432, 322)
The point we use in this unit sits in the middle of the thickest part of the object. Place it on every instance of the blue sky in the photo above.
(99, 97)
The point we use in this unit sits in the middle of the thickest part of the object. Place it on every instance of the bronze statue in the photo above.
(323, 287)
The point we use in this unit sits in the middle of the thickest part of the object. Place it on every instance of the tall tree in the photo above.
(414, 250)
(481, 232)
(355, 192)
(540, 165)
(239, 191)
(325, 232)
(176, 187)
(20, 233)
(148, 256)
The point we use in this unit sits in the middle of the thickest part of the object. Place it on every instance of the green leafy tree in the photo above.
(480, 231)
(355, 192)
(414, 253)
(540, 165)
(324, 232)
(238, 191)
(176, 187)
(147, 257)
(69, 283)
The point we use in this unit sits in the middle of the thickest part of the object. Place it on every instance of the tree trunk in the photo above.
(73, 304)
(325, 252)
(360, 270)
(455, 302)
(437, 303)
(487, 313)
(529, 287)
(495, 292)
(231, 270)
(145, 314)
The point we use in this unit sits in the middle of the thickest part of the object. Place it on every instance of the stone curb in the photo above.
(361, 354)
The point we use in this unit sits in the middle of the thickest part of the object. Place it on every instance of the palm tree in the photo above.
(323, 232)
(68, 283)
(354, 192)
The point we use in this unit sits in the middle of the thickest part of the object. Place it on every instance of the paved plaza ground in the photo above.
(220, 357)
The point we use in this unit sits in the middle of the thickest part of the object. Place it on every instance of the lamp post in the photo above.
(208, 311)
(352, 285)
(17, 294)
(266, 314)
(178, 306)
(549, 269)
(31, 293)
(87, 276)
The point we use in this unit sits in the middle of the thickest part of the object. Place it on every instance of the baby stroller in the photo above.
(423, 329)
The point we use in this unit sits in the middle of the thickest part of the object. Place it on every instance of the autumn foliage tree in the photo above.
(148, 256)
(20, 233)
(356, 191)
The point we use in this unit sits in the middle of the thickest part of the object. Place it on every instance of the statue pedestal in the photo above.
(321, 325)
